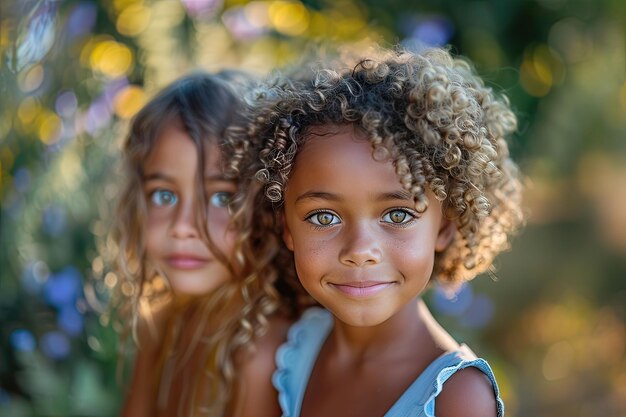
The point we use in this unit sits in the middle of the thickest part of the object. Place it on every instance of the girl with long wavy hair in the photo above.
(196, 293)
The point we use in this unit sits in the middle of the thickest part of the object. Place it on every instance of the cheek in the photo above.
(228, 244)
(222, 235)
(154, 234)
(312, 257)
(414, 256)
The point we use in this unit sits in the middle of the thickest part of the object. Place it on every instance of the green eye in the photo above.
(163, 198)
(398, 217)
(323, 218)
(220, 199)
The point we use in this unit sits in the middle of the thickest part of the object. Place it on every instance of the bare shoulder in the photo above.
(255, 394)
(276, 334)
(468, 393)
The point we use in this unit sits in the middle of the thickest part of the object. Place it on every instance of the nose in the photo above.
(361, 247)
(185, 222)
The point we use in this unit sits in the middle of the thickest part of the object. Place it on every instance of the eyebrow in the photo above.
(395, 195)
(163, 177)
(318, 195)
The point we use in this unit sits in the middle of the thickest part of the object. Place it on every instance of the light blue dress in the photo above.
(296, 357)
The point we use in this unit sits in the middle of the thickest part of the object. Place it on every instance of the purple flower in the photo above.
(55, 345)
(63, 288)
(22, 340)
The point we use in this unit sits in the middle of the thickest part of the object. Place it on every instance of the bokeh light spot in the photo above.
(22, 180)
(479, 313)
(541, 69)
(31, 79)
(245, 24)
(53, 220)
(94, 344)
(111, 58)
(257, 13)
(569, 37)
(558, 361)
(129, 101)
(127, 289)
(110, 279)
(430, 30)
(63, 288)
(22, 340)
(28, 110)
(123, 4)
(202, 9)
(289, 18)
(453, 302)
(97, 265)
(97, 116)
(82, 19)
(50, 128)
(71, 169)
(55, 345)
(6, 27)
(34, 275)
(133, 20)
(66, 104)
(70, 320)
(7, 158)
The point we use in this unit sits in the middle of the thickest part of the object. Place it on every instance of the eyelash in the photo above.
(154, 193)
(412, 217)
(217, 194)
(321, 226)
(411, 214)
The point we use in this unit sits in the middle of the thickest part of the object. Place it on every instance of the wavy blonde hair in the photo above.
(237, 312)
(442, 127)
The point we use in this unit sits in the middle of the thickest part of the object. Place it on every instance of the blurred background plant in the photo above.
(73, 72)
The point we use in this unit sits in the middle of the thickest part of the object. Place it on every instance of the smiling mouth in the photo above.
(362, 289)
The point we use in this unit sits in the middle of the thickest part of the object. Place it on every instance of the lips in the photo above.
(362, 288)
(186, 261)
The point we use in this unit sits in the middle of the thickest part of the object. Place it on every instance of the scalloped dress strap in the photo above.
(419, 399)
(295, 358)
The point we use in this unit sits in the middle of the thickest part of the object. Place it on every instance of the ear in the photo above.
(287, 238)
(447, 230)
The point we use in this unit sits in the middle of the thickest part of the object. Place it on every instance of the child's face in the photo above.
(360, 248)
(174, 241)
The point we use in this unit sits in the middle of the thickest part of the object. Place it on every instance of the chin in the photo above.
(361, 316)
(193, 285)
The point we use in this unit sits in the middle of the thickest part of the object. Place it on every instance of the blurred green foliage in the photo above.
(73, 72)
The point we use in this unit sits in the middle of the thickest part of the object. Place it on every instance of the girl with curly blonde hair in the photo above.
(196, 293)
(387, 176)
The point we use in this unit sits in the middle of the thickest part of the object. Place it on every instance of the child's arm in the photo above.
(142, 392)
(256, 396)
(468, 393)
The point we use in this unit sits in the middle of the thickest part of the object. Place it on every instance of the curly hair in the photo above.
(432, 115)
(238, 311)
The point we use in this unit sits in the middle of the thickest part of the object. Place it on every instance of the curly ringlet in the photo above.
(432, 115)
(205, 104)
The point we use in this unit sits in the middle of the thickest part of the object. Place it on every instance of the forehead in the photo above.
(330, 139)
(340, 156)
(173, 145)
